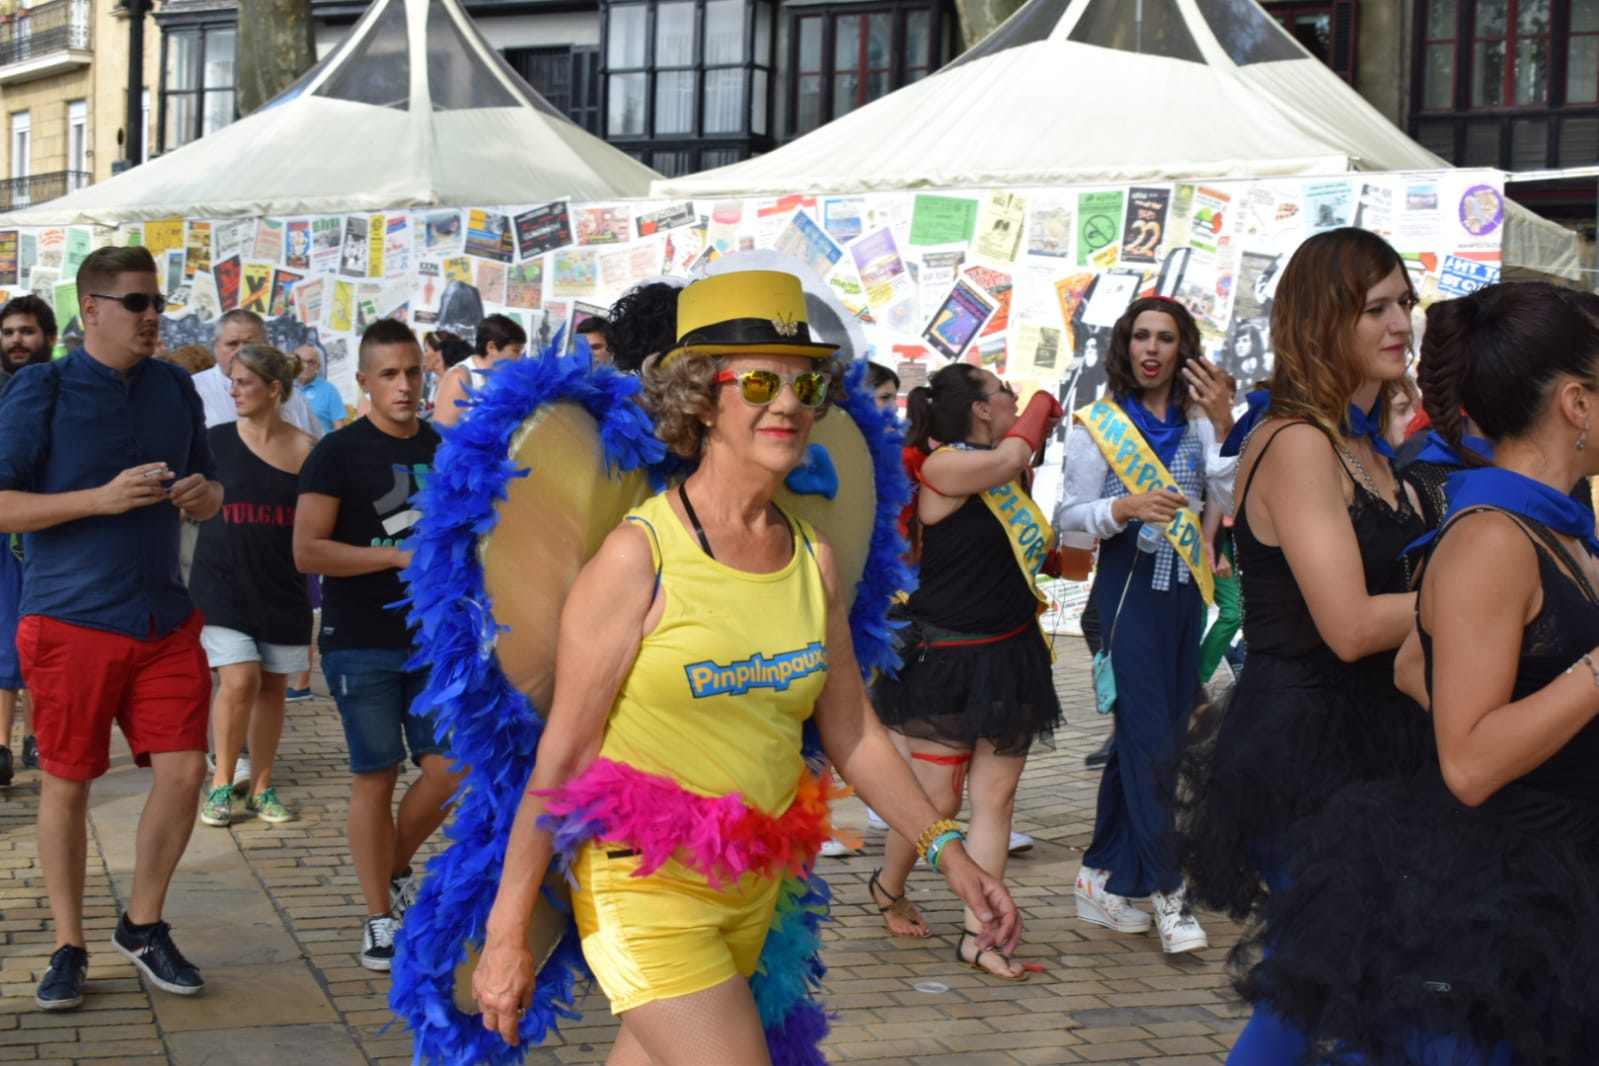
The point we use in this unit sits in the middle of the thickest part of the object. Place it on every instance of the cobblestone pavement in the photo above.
(272, 916)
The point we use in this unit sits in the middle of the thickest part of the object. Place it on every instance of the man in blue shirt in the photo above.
(101, 454)
(319, 393)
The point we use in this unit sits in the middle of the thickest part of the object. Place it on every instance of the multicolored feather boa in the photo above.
(493, 730)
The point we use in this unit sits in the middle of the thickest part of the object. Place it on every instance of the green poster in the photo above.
(66, 301)
(79, 242)
(1099, 222)
(943, 220)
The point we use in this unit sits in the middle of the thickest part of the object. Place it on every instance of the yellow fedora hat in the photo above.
(745, 312)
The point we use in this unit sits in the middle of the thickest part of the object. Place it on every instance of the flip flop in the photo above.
(976, 961)
(898, 906)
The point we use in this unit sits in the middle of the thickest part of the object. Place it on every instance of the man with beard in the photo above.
(27, 334)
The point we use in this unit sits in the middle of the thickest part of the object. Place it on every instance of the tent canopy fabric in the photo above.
(413, 108)
(1087, 92)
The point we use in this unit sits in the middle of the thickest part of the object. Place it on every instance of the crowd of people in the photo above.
(1395, 797)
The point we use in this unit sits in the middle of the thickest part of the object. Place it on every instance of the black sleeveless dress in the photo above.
(1412, 917)
(1300, 724)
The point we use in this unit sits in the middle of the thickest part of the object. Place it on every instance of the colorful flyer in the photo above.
(958, 320)
(488, 236)
(543, 229)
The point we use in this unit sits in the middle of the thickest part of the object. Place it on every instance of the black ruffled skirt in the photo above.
(1409, 917)
(1294, 732)
(958, 693)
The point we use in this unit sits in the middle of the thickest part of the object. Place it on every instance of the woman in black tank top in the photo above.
(1454, 918)
(1320, 524)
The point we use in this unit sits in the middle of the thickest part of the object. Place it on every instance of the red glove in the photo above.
(1043, 410)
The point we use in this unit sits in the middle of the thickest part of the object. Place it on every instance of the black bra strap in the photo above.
(694, 519)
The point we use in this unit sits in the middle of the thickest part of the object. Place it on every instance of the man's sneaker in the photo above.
(296, 695)
(1020, 842)
(1179, 930)
(30, 752)
(5, 767)
(874, 821)
(1099, 907)
(267, 807)
(833, 849)
(241, 772)
(62, 987)
(158, 958)
(402, 893)
(377, 942)
(217, 807)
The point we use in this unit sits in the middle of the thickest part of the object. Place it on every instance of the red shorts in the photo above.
(158, 691)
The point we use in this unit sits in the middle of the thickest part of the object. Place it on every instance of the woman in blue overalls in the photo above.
(1152, 610)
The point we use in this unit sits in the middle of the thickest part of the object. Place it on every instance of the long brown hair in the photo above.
(1119, 377)
(1322, 293)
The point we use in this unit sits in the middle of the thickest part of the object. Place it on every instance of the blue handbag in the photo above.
(1104, 676)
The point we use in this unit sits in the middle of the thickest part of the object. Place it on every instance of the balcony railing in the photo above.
(37, 188)
(43, 30)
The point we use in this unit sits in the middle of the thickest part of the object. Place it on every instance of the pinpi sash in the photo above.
(1136, 464)
(1026, 527)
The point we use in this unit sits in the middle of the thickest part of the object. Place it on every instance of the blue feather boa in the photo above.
(493, 730)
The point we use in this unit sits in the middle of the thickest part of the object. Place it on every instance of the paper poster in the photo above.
(1208, 221)
(1000, 227)
(162, 235)
(576, 273)
(989, 352)
(283, 281)
(998, 286)
(602, 225)
(64, 297)
(1099, 222)
(843, 218)
(42, 283)
(881, 269)
(772, 216)
(1419, 221)
(525, 284)
(227, 275)
(341, 316)
(1481, 212)
(1459, 276)
(1375, 211)
(806, 241)
(268, 240)
(52, 243)
(491, 281)
(232, 236)
(174, 271)
(78, 245)
(441, 234)
(197, 257)
(942, 219)
(356, 250)
(309, 297)
(1049, 229)
(1329, 204)
(652, 222)
(614, 271)
(27, 253)
(255, 292)
(726, 216)
(327, 236)
(488, 236)
(376, 241)
(543, 229)
(297, 245)
(458, 268)
(938, 272)
(1035, 351)
(1145, 229)
(8, 257)
(958, 320)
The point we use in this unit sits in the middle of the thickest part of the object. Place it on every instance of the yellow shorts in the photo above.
(669, 934)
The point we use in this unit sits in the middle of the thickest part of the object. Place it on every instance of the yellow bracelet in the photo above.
(932, 832)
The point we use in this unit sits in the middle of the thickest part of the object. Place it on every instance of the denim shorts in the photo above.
(374, 692)
(229, 647)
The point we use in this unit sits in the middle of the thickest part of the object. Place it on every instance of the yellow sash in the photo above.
(1141, 470)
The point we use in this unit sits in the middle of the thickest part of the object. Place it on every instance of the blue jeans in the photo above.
(376, 694)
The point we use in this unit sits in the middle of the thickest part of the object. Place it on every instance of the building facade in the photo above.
(64, 94)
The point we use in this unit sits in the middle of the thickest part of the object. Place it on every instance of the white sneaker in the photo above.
(241, 771)
(377, 943)
(832, 849)
(1179, 929)
(1020, 842)
(874, 821)
(1098, 907)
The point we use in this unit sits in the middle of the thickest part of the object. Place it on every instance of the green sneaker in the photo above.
(217, 809)
(265, 806)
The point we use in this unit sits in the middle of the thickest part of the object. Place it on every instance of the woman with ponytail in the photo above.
(1452, 918)
(1154, 578)
(1320, 527)
(976, 689)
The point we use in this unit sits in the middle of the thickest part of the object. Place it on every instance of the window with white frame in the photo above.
(77, 143)
(21, 144)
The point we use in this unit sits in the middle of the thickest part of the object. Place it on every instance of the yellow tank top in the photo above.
(721, 688)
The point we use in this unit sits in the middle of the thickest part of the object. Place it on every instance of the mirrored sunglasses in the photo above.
(760, 387)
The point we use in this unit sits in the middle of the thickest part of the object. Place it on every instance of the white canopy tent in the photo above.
(1071, 92)
(413, 108)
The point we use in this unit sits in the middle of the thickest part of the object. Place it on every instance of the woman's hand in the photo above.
(987, 897)
(1212, 389)
(1158, 507)
(502, 984)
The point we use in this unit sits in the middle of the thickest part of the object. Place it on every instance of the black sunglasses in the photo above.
(136, 302)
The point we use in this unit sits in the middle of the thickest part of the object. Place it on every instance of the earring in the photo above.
(1582, 438)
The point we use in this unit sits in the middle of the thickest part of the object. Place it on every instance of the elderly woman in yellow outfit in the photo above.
(692, 649)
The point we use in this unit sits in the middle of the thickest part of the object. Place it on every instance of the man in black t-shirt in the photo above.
(354, 514)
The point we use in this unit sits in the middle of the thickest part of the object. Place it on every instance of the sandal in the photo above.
(898, 906)
(976, 961)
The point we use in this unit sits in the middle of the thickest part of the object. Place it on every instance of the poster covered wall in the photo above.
(1025, 281)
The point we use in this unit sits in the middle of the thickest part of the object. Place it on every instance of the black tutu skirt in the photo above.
(1410, 917)
(1294, 732)
(957, 694)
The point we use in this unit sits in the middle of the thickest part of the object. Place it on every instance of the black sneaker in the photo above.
(62, 987)
(377, 942)
(1100, 756)
(158, 958)
(5, 767)
(30, 752)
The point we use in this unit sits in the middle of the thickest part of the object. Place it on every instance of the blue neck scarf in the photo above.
(1258, 401)
(1441, 453)
(1163, 435)
(1491, 486)
(1364, 424)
